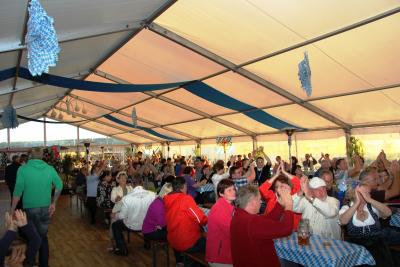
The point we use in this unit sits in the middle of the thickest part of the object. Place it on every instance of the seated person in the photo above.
(191, 184)
(184, 219)
(154, 224)
(269, 190)
(104, 190)
(252, 235)
(120, 191)
(363, 227)
(242, 179)
(12, 252)
(314, 204)
(327, 176)
(133, 210)
(218, 245)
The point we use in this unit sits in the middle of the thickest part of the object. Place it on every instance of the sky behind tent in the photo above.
(33, 131)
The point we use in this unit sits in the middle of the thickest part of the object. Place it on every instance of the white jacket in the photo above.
(323, 215)
(135, 206)
(118, 192)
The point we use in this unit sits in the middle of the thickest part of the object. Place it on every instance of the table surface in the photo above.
(322, 252)
(395, 219)
(205, 188)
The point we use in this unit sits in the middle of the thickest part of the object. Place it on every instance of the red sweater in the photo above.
(252, 236)
(271, 199)
(218, 246)
(184, 220)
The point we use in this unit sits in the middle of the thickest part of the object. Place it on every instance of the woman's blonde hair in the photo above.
(167, 188)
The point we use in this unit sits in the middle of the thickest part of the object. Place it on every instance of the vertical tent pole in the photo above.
(347, 134)
(8, 138)
(295, 144)
(44, 133)
(77, 141)
(254, 138)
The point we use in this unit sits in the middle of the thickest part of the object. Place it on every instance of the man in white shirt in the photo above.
(133, 210)
(314, 204)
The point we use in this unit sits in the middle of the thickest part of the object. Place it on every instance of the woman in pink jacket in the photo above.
(218, 246)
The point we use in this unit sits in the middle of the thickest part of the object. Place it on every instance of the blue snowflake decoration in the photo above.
(305, 75)
(41, 40)
(9, 117)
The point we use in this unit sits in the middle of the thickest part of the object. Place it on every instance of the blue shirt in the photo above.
(92, 181)
(240, 182)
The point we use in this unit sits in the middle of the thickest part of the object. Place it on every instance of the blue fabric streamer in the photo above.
(41, 40)
(305, 74)
(208, 93)
(197, 88)
(148, 130)
(94, 86)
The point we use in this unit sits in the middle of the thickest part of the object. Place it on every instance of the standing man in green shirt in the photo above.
(35, 181)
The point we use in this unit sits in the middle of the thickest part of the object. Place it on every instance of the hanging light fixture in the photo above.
(68, 105)
(84, 111)
(77, 108)
(60, 116)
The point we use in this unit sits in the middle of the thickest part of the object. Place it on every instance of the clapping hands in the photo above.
(19, 220)
(285, 199)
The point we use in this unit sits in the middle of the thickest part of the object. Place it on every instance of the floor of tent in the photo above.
(75, 243)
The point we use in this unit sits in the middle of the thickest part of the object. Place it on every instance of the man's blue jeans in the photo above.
(41, 219)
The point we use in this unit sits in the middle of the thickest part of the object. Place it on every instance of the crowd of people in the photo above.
(252, 202)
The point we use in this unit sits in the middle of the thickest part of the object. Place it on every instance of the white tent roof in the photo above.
(248, 50)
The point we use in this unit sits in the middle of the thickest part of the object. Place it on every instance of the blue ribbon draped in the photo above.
(208, 93)
(197, 88)
(148, 130)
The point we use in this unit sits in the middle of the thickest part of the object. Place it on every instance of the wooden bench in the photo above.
(154, 245)
(198, 257)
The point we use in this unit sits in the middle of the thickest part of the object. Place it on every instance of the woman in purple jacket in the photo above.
(154, 224)
(218, 246)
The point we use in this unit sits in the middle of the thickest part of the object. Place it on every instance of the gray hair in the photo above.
(167, 188)
(37, 153)
(245, 194)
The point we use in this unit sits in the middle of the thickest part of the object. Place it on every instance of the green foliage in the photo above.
(356, 147)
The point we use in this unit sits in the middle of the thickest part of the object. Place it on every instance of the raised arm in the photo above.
(251, 173)
(284, 172)
(384, 211)
(394, 189)
(357, 166)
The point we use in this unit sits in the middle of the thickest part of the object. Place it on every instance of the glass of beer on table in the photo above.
(304, 232)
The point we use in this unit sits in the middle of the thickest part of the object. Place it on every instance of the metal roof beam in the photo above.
(247, 74)
(178, 104)
(144, 24)
(108, 125)
(129, 116)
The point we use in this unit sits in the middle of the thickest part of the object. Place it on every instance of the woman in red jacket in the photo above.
(269, 188)
(184, 221)
(218, 245)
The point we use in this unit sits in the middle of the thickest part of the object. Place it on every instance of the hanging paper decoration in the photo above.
(41, 40)
(9, 117)
(225, 142)
(134, 117)
(305, 74)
